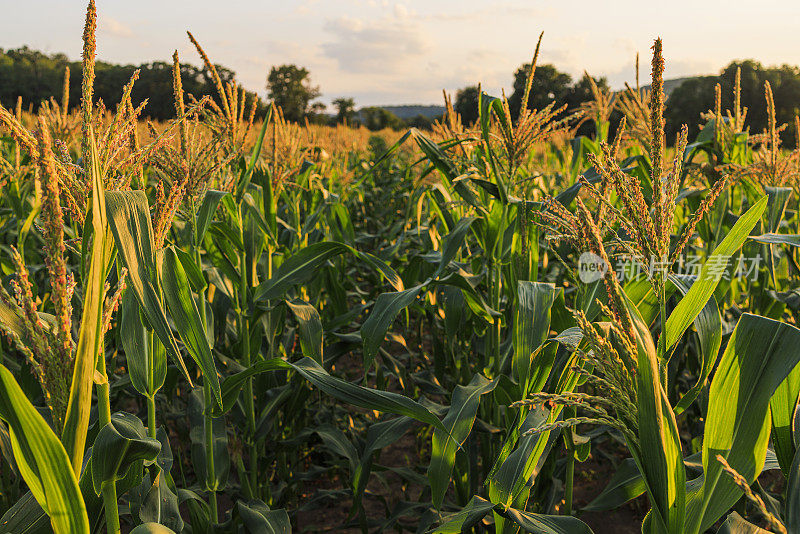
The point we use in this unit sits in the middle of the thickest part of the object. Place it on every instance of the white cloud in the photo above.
(379, 47)
(400, 11)
(493, 13)
(395, 51)
(111, 26)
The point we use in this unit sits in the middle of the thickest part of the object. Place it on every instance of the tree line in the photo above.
(36, 76)
(696, 96)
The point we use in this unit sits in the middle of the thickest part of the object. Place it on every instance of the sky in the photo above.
(383, 52)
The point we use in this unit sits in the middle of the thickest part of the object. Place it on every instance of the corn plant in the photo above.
(208, 318)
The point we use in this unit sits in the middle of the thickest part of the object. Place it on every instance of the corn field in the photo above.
(227, 325)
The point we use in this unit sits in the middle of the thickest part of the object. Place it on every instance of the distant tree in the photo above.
(316, 114)
(345, 110)
(30, 74)
(420, 122)
(685, 104)
(376, 118)
(580, 92)
(36, 76)
(785, 82)
(466, 104)
(549, 84)
(696, 95)
(290, 88)
(553, 86)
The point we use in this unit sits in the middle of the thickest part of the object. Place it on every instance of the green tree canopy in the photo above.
(290, 88)
(466, 104)
(419, 121)
(696, 95)
(345, 110)
(36, 76)
(376, 118)
(581, 91)
(549, 84)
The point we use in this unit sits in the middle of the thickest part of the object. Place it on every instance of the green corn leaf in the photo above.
(371, 399)
(26, 516)
(147, 368)
(458, 422)
(129, 218)
(640, 292)
(508, 482)
(304, 266)
(184, 312)
(625, 484)
(453, 242)
(464, 519)
(783, 407)
(193, 271)
(118, 446)
(778, 239)
(660, 458)
(152, 528)
(259, 519)
(486, 185)
(254, 213)
(702, 290)
(90, 335)
(778, 201)
(486, 106)
(310, 328)
(232, 385)
(12, 320)
(379, 435)
(473, 298)
(519, 456)
(708, 324)
(446, 168)
(531, 326)
(760, 355)
(387, 307)
(379, 265)
(391, 150)
(337, 443)
(546, 524)
(792, 512)
(159, 502)
(478, 507)
(42, 460)
(736, 524)
(298, 269)
(226, 233)
(205, 214)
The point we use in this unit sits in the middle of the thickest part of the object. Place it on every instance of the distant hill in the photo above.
(406, 112)
(671, 85)
(411, 111)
